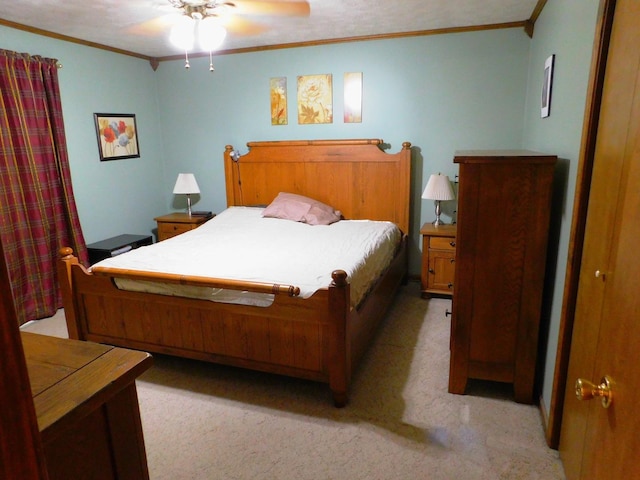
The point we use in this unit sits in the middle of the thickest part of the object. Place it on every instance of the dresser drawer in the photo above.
(442, 243)
(167, 230)
(176, 223)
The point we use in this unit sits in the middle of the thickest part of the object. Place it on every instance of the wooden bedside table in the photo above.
(176, 223)
(438, 259)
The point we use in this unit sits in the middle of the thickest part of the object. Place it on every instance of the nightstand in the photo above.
(115, 246)
(438, 259)
(176, 223)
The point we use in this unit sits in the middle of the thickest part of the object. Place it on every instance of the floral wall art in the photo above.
(315, 99)
(117, 136)
(278, 90)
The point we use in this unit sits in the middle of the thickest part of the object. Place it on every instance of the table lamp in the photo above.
(186, 185)
(439, 189)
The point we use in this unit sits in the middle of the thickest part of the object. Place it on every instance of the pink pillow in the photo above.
(298, 208)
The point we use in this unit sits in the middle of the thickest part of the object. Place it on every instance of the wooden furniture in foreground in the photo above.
(504, 200)
(438, 259)
(116, 246)
(21, 452)
(87, 407)
(174, 224)
(320, 338)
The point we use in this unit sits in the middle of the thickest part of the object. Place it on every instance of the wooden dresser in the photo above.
(438, 259)
(174, 224)
(504, 200)
(86, 404)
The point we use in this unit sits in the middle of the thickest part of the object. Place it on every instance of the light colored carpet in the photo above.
(204, 421)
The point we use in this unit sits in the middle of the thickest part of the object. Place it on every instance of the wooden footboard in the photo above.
(320, 338)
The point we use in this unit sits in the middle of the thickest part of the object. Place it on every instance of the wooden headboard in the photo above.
(354, 176)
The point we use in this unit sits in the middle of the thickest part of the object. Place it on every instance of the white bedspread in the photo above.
(240, 244)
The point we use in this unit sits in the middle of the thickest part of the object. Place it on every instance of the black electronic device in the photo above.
(116, 246)
(201, 213)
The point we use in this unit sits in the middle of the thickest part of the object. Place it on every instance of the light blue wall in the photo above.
(441, 93)
(118, 196)
(565, 28)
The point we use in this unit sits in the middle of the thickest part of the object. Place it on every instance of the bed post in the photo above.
(340, 367)
(65, 264)
(231, 179)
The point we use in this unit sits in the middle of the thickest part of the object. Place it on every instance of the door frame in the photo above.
(604, 27)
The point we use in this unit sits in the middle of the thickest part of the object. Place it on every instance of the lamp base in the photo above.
(437, 221)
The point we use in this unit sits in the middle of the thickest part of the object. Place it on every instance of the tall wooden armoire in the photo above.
(504, 201)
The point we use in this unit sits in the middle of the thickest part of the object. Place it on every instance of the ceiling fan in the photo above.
(208, 21)
(238, 17)
(202, 9)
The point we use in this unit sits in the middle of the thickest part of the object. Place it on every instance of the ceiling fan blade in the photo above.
(155, 25)
(241, 26)
(271, 7)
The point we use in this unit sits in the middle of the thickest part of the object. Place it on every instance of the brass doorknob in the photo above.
(585, 390)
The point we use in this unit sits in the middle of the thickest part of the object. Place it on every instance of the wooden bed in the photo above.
(320, 338)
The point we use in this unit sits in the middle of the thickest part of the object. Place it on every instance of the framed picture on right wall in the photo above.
(545, 106)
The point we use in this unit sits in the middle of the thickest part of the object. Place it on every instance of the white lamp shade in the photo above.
(186, 183)
(210, 34)
(438, 188)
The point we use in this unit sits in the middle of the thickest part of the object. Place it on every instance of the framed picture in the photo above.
(315, 99)
(353, 97)
(117, 136)
(545, 110)
(278, 90)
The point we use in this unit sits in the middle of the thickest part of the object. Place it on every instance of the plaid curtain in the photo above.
(38, 215)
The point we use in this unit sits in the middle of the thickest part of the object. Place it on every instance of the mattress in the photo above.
(240, 244)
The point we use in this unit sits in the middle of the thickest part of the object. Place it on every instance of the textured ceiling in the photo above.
(142, 26)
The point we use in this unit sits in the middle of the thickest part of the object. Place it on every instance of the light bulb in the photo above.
(210, 34)
(182, 33)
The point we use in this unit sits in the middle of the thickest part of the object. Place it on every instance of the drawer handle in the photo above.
(453, 260)
(431, 270)
(452, 243)
(450, 285)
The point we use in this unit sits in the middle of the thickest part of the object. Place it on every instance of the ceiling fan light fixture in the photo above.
(182, 33)
(210, 34)
(205, 20)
